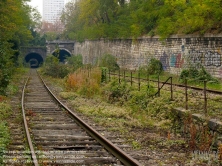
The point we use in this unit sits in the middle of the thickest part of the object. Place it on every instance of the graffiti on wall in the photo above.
(176, 61)
(173, 60)
(220, 71)
(164, 61)
(195, 56)
(212, 59)
(208, 58)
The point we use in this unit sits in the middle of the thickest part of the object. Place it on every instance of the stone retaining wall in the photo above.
(175, 53)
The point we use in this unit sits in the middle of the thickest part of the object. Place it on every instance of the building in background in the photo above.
(52, 10)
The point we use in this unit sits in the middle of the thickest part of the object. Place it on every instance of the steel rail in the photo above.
(33, 155)
(122, 156)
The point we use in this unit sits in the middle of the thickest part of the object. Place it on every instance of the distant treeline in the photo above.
(91, 19)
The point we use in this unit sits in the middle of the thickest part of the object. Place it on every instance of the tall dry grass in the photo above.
(85, 81)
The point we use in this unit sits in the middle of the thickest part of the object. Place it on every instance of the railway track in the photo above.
(57, 136)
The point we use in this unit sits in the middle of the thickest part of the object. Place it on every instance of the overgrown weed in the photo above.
(125, 105)
(5, 112)
(85, 83)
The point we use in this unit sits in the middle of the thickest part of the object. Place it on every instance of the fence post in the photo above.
(148, 83)
(158, 85)
(138, 80)
(105, 76)
(186, 95)
(131, 78)
(171, 87)
(88, 70)
(124, 75)
(205, 97)
(109, 76)
(119, 76)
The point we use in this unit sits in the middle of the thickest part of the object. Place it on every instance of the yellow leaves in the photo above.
(88, 11)
(175, 2)
(135, 29)
(187, 17)
(13, 18)
(141, 17)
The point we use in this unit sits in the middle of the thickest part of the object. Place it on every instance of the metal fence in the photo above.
(195, 99)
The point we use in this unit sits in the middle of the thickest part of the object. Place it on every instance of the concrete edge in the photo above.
(213, 124)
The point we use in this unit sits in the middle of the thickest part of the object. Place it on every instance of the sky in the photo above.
(39, 4)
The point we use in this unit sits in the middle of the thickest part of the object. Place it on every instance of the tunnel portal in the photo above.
(34, 60)
(63, 54)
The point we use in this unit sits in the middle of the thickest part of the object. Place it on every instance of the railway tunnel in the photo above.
(34, 60)
(36, 55)
(62, 54)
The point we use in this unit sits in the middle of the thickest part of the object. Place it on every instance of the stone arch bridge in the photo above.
(35, 56)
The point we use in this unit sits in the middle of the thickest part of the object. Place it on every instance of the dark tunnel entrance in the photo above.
(34, 60)
(63, 54)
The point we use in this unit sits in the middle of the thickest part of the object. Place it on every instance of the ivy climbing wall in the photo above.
(175, 53)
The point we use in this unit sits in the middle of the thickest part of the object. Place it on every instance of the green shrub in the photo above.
(7, 66)
(154, 67)
(190, 73)
(4, 135)
(193, 74)
(4, 139)
(104, 74)
(143, 70)
(116, 92)
(138, 100)
(5, 111)
(75, 61)
(109, 61)
(53, 68)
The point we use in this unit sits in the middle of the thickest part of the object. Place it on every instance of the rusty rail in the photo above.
(33, 155)
(117, 152)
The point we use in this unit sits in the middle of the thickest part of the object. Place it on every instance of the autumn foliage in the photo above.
(85, 81)
(94, 19)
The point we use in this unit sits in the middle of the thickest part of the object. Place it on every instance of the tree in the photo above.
(15, 31)
(91, 19)
(38, 39)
